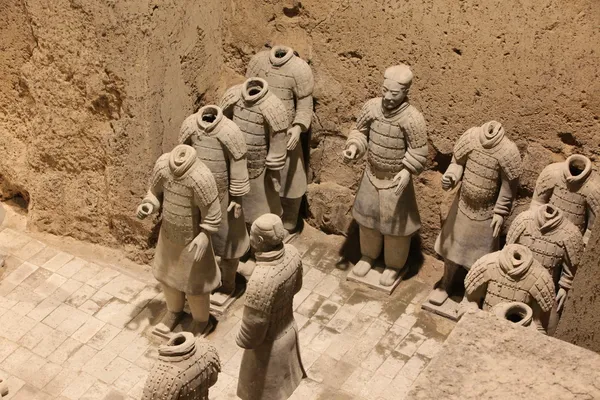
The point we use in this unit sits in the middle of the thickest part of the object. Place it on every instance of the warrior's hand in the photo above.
(403, 178)
(144, 210)
(448, 181)
(276, 179)
(294, 134)
(496, 225)
(561, 297)
(236, 207)
(350, 153)
(200, 243)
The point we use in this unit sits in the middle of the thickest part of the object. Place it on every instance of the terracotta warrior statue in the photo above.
(573, 187)
(186, 368)
(184, 262)
(512, 274)
(271, 367)
(392, 133)
(488, 165)
(263, 119)
(291, 79)
(221, 146)
(555, 242)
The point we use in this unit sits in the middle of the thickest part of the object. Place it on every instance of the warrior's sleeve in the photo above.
(156, 182)
(478, 277)
(360, 135)
(544, 186)
(506, 195)
(231, 96)
(254, 328)
(206, 198)
(156, 388)
(303, 90)
(235, 144)
(188, 128)
(415, 158)
(256, 64)
(460, 154)
(517, 227)
(593, 201)
(211, 363)
(542, 292)
(573, 244)
(277, 117)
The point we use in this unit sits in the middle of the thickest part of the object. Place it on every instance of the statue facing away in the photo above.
(291, 80)
(392, 133)
(221, 146)
(185, 370)
(271, 367)
(263, 119)
(184, 262)
(512, 274)
(488, 165)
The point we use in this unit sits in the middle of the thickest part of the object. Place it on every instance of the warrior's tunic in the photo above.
(271, 365)
(291, 80)
(263, 119)
(221, 146)
(190, 204)
(393, 140)
(491, 168)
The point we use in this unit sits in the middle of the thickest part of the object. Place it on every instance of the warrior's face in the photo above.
(393, 94)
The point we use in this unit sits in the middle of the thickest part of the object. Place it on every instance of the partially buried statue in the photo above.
(291, 80)
(512, 274)
(393, 135)
(263, 119)
(184, 262)
(573, 187)
(555, 242)
(488, 165)
(271, 367)
(185, 370)
(221, 146)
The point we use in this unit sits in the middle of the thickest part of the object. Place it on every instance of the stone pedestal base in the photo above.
(451, 308)
(372, 279)
(220, 302)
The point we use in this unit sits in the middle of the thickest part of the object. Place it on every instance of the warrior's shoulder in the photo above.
(232, 138)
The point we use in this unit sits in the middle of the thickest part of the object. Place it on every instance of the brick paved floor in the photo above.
(78, 328)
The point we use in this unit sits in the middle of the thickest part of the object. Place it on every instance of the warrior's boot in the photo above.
(371, 243)
(439, 295)
(395, 253)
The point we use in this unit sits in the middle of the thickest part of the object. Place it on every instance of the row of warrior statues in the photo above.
(235, 183)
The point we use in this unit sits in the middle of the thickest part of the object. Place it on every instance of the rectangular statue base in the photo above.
(450, 309)
(220, 303)
(372, 279)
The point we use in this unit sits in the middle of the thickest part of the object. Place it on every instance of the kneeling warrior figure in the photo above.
(556, 243)
(393, 133)
(185, 370)
(184, 262)
(291, 80)
(492, 165)
(271, 367)
(573, 187)
(221, 146)
(263, 119)
(511, 274)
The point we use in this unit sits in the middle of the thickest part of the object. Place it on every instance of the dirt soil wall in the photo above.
(90, 94)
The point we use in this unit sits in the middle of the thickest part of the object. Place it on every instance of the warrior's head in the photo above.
(396, 83)
(267, 233)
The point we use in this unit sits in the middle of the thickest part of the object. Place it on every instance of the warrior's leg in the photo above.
(439, 295)
(395, 251)
(175, 302)
(229, 268)
(291, 210)
(371, 242)
(200, 307)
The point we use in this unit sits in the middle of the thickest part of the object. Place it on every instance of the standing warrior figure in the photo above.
(291, 80)
(512, 274)
(555, 242)
(263, 119)
(184, 262)
(492, 165)
(271, 367)
(573, 187)
(393, 132)
(221, 146)
(185, 370)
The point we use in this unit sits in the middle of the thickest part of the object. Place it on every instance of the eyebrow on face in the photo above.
(390, 90)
